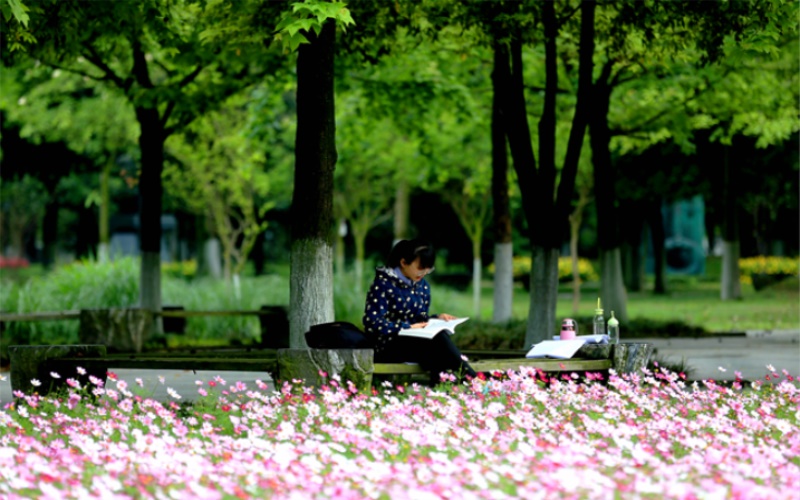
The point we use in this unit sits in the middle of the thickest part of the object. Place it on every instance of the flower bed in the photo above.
(517, 435)
(764, 271)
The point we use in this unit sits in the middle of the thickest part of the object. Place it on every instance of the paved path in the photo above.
(749, 354)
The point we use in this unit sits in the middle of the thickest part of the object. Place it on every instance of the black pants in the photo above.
(435, 355)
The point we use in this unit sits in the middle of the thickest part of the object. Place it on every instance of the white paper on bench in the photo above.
(559, 349)
(564, 349)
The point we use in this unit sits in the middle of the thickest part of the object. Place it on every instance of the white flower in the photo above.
(722, 369)
(55, 375)
(173, 393)
(81, 371)
(35, 383)
(770, 368)
(161, 379)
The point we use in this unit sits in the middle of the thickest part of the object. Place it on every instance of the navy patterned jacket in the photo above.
(393, 304)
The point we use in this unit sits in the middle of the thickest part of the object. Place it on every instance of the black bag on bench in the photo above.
(337, 335)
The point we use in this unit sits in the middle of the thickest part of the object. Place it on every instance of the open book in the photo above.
(433, 327)
(564, 349)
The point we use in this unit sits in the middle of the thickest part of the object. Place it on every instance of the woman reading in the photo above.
(398, 299)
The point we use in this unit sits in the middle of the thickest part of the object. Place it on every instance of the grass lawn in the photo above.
(693, 302)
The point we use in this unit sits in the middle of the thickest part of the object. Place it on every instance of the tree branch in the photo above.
(77, 72)
(94, 58)
(139, 69)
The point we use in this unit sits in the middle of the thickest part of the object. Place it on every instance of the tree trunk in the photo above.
(259, 259)
(311, 280)
(730, 288)
(103, 246)
(544, 284)
(340, 234)
(477, 271)
(632, 261)
(655, 221)
(359, 238)
(212, 257)
(608, 231)
(574, 232)
(401, 211)
(575, 221)
(50, 233)
(612, 288)
(503, 282)
(501, 206)
(546, 217)
(151, 145)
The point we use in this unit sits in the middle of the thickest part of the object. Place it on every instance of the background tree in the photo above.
(372, 154)
(546, 205)
(58, 106)
(220, 173)
(23, 205)
(173, 62)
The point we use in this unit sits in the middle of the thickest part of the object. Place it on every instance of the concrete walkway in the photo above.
(748, 354)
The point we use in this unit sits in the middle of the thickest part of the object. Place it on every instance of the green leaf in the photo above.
(19, 11)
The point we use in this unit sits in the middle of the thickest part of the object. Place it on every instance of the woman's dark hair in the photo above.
(409, 250)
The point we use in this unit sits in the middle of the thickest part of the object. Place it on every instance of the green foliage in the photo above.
(309, 16)
(789, 266)
(18, 34)
(186, 269)
(24, 202)
(219, 172)
(521, 266)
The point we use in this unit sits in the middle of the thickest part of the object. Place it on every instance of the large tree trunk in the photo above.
(544, 285)
(402, 206)
(730, 288)
(311, 280)
(151, 145)
(501, 214)
(608, 231)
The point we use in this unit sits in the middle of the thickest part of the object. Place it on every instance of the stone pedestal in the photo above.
(629, 357)
(594, 351)
(355, 365)
(123, 330)
(30, 362)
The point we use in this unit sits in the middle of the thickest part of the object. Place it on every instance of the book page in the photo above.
(433, 327)
(558, 349)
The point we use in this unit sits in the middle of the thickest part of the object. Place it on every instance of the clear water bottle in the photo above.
(599, 321)
(613, 329)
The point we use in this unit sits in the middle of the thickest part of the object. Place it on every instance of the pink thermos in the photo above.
(569, 329)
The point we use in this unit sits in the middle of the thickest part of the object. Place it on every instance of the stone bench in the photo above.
(356, 365)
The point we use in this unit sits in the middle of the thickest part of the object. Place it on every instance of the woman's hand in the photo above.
(420, 325)
(446, 317)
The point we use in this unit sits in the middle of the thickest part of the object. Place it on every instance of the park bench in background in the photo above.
(37, 362)
(126, 328)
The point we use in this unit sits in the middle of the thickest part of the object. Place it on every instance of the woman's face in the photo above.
(413, 271)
